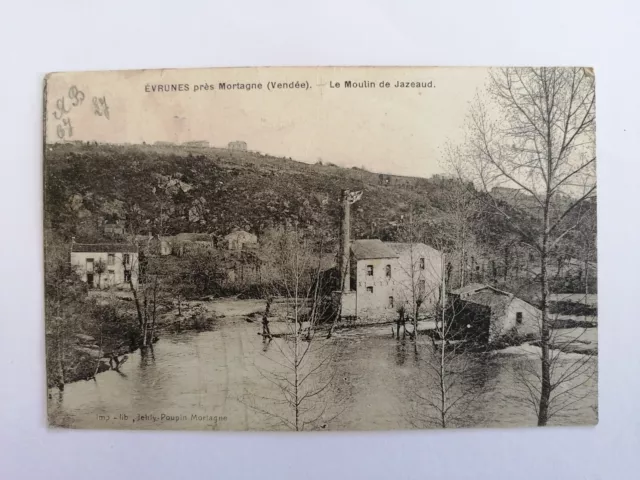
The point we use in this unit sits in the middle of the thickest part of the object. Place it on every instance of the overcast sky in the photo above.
(390, 130)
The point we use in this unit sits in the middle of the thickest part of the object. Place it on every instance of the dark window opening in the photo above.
(422, 263)
(369, 270)
(388, 271)
(127, 276)
(125, 259)
(370, 289)
(422, 287)
(390, 302)
(519, 317)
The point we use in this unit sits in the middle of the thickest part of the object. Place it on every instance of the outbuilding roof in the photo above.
(193, 237)
(486, 295)
(471, 288)
(104, 247)
(374, 248)
(237, 233)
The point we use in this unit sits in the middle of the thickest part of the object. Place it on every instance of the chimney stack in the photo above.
(345, 242)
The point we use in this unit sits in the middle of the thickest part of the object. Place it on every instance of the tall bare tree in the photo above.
(452, 375)
(298, 362)
(530, 147)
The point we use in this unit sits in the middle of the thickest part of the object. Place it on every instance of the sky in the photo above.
(391, 129)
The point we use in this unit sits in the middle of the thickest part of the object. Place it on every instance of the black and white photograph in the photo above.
(321, 249)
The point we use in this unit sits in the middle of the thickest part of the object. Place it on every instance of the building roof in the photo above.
(237, 233)
(104, 247)
(400, 248)
(486, 295)
(374, 248)
(193, 237)
(495, 300)
(471, 288)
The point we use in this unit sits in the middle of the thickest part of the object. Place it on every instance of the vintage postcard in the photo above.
(320, 248)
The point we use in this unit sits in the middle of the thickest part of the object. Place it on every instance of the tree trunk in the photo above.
(443, 391)
(545, 391)
(545, 388)
(137, 302)
(60, 359)
(586, 281)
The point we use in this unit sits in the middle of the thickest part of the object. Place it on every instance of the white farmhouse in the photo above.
(104, 265)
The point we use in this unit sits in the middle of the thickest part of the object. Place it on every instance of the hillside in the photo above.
(169, 190)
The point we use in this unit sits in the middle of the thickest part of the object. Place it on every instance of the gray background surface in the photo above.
(42, 36)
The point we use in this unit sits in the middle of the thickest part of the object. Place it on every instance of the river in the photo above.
(224, 380)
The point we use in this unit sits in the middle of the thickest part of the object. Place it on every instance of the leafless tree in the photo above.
(148, 296)
(298, 361)
(452, 376)
(456, 232)
(572, 370)
(533, 136)
(418, 273)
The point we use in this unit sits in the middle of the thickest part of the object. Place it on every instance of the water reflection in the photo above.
(401, 352)
(377, 380)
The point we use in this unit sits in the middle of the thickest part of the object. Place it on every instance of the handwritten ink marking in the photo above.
(65, 128)
(100, 107)
(76, 97)
(61, 110)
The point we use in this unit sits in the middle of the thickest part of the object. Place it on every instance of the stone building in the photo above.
(240, 240)
(488, 314)
(385, 275)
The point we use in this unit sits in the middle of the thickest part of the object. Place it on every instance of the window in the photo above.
(518, 317)
(390, 302)
(369, 270)
(388, 271)
(422, 287)
(421, 263)
(127, 276)
(111, 259)
(89, 265)
(370, 289)
(125, 259)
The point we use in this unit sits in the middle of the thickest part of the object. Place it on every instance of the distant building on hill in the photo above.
(239, 240)
(196, 143)
(186, 243)
(112, 228)
(238, 145)
(156, 245)
(509, 195)
(105, 265)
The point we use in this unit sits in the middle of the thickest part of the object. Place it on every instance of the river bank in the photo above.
(207, 373)
(87, 357)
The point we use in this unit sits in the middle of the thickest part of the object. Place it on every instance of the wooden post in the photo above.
(346, 237)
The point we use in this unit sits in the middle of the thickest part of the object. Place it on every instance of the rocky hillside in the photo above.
(168, 190)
